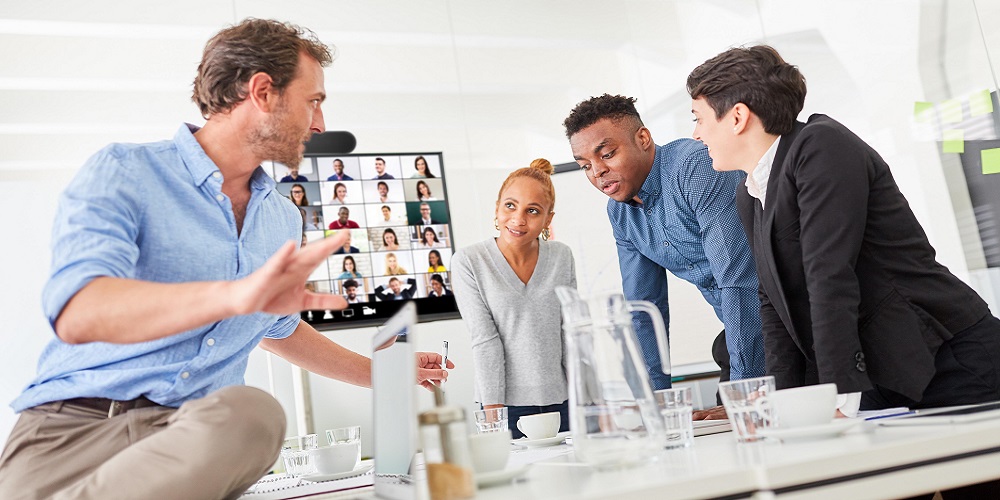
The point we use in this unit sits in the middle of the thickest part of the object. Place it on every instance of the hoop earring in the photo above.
(496, 223)
(546, 234)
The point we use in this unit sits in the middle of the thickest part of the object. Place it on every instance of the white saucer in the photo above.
(538, 443)
(500, 476)
(833, 429)
(316, 478)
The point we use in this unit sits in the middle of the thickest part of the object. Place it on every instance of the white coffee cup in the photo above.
(540, 426)
(336, 458)
(799, 406)
(490, 450)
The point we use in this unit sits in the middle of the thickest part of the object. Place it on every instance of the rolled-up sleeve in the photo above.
(95, 230)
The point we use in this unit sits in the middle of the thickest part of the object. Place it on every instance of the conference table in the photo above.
(868, 461)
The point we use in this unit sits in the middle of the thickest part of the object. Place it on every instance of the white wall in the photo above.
(487, 83)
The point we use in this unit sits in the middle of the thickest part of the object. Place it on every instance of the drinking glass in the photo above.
(295, 454)
(676, 406)
(739, 397)
(491, 420)
(344, 435)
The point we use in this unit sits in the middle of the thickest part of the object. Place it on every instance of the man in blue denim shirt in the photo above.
(171, 262)
(670, 210)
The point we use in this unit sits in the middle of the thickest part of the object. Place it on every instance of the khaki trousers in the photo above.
(214, 447)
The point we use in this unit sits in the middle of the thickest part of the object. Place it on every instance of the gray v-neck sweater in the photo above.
(517, 344)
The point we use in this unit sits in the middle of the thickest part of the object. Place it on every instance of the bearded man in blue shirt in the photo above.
(171, 262)
(670, 211)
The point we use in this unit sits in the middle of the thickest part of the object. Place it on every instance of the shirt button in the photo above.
(216, 175)
(649, 211)
(861, 366)
(690, 267)
(210, 342)
(185, 375)
(666, 243)
(219, 197)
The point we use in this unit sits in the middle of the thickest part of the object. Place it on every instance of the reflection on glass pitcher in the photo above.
(613, 416)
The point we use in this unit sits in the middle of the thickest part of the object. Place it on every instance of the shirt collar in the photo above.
(651, 186)
(201, 167)
(757, 180)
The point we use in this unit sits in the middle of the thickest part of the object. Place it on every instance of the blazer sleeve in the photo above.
(832, 175)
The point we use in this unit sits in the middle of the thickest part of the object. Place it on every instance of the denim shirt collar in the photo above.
(201, 167)
(651, 186)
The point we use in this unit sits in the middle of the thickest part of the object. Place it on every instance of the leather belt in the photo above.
(111, 406)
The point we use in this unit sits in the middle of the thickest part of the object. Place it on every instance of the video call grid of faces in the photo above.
(394, 206)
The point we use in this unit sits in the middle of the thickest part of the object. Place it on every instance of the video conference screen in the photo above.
(401, 241)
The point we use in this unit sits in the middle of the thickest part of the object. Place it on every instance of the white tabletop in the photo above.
(868, 461)
(875, 461)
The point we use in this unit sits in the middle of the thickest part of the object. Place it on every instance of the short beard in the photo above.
(274, 140)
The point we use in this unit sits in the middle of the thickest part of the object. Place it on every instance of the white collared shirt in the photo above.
(848, 404)
(757, 180)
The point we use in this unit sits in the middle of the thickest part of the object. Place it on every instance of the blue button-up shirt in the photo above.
(156, 212)
(687, 224)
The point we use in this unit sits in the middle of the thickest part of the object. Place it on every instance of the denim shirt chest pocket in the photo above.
(674, 239)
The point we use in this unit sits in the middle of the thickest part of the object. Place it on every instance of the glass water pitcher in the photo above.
(613, 416)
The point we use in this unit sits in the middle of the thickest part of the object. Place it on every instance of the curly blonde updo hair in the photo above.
(540, 170)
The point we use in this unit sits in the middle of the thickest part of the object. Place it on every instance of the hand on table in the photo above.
(715, 413)
(429, 370)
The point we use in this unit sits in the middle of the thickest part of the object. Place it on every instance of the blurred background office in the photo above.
(488, 84)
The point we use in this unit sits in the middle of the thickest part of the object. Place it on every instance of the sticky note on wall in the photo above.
(923, 112)
(991, 161)
(951, 111)
(954, 141)
(981, 103)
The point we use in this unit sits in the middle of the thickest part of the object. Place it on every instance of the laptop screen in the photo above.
(393, 386)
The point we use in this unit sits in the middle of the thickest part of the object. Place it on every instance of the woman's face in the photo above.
(389, 238)
(523, 211)
(428, 236)
(348, 265)
(724, 146)
(297, 194)
(421, 166)
(341, 192)
(390, 261)
(425, 190)
(385, 213)
(433, 259)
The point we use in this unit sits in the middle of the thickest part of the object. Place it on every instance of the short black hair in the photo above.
(758, 77)
(587, 113)
(350, 284)
(438, 278)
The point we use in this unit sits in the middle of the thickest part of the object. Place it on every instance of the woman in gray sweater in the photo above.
(505, 290)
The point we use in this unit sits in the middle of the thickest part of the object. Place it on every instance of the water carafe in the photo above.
(613, 416)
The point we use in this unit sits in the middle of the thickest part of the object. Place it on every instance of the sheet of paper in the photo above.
(280, 486)
(867, 414)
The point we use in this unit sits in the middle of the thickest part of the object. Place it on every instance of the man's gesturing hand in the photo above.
(279, 286)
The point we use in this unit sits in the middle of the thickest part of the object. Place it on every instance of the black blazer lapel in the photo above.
(780, 302)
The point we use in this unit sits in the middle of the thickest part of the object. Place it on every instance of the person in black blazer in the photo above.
(851, 292)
